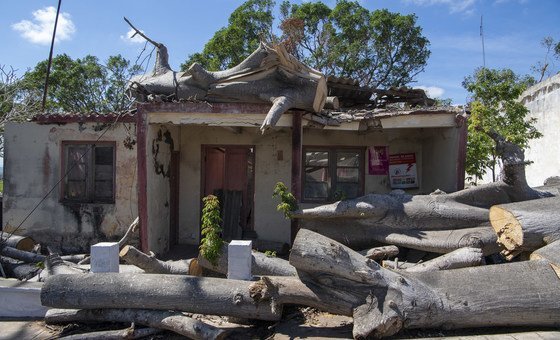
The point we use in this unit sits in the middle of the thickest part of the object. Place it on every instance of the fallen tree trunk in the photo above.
(150, 264)
(22, 255)
(460, 258)
(435, 241)
(526, 226)
(127, 333)
(18, 269)
(392, 301)
(379, 253)
(551, 253)
(162, 291)
(16, 241)
(172, 321)
(261, 264)
(56, 266)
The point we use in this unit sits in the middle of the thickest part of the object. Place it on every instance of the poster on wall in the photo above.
(402, 171)
(378, 160)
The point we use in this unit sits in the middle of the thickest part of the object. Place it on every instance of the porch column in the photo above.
(297, 141)
(462, 125)
(141, 131)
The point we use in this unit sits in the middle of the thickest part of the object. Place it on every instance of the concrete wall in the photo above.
(436, 155)
(269, 223)
(162, 141)
(543, 102)
(32, 161)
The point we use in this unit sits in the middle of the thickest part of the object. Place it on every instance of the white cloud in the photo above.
(455, 6)
(432, 91)
(135, 40)
(40, 29)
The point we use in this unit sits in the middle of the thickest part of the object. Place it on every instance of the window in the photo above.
(332, 174)
(89, 172)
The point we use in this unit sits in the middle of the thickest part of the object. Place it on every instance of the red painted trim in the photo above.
(461, 150)
(141, 137)
(297, 154)
(83, 118)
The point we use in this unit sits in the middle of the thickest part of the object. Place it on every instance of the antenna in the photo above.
(482, 38)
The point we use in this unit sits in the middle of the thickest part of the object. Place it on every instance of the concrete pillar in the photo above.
(239, 260)
(105, 257)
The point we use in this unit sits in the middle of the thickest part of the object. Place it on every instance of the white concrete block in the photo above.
(239, 260)
(21, 299)
(105, 257)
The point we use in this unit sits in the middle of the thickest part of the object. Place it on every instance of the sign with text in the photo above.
(378, 160)
(402, 171)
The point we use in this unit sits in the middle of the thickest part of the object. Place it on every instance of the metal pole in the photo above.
(482, 38)
(50, 59)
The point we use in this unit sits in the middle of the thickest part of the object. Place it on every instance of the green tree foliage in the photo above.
(380, 48)
(230, 45)
(81, 85)
(211, 243)
(543, 68)
(495, 107)
(288, 202)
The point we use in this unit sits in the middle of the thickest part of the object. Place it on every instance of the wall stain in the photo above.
(163, 137)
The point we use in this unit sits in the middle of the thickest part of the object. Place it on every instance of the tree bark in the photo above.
(16, 241)
(127, 333)
(379, 253)
(551, 253)
(56, 266)
(260, 264)
(22, 255)
(460, 258)
(150, 264)
(392, 301)
(156, 291)
(18, 269)
(526, 226)
(172, 321)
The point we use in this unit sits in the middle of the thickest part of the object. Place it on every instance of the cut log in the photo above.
(55, 266)
(550, 253)
(261, 264)
(379, 253)
(156, 291)
(150, 264)
(526, 226)
(172, 321)
(460, 258)
(16, 241)
(18, 269)
(435, 241)
(74, 258)
(22, 255)
(127, 333)
(392, 301)
(397, 265)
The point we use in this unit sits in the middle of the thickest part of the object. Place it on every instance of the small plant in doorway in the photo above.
(288, 202)
(211, 243)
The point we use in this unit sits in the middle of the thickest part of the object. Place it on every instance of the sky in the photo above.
(513, 31)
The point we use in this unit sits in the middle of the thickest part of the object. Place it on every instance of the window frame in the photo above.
(331, 168)
(90, 179)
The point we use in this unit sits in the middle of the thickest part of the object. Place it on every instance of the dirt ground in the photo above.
(297, 323)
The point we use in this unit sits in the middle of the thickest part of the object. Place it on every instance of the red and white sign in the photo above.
(402, 171)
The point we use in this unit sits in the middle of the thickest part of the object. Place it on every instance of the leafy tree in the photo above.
(380, 48)
(211, 242)
(495, 107)
(231, 44)
(81, 85)
(542, 68)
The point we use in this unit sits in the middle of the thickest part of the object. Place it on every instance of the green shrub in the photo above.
(288, 202)
(211, 243)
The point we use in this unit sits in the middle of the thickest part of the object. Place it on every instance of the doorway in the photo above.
(228, 173)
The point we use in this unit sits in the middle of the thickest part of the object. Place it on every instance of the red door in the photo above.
(228, 174)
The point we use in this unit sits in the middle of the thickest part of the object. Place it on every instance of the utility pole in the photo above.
(482, 38)
(50, 59)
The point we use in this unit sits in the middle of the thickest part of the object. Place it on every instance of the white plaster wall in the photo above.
(269, 223)
(436, 154)
(32, 168)
(543, 102)
(162, 140)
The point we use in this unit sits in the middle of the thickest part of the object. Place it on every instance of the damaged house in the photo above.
(234, 134)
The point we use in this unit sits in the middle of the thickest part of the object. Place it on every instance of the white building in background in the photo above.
(543, 102)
